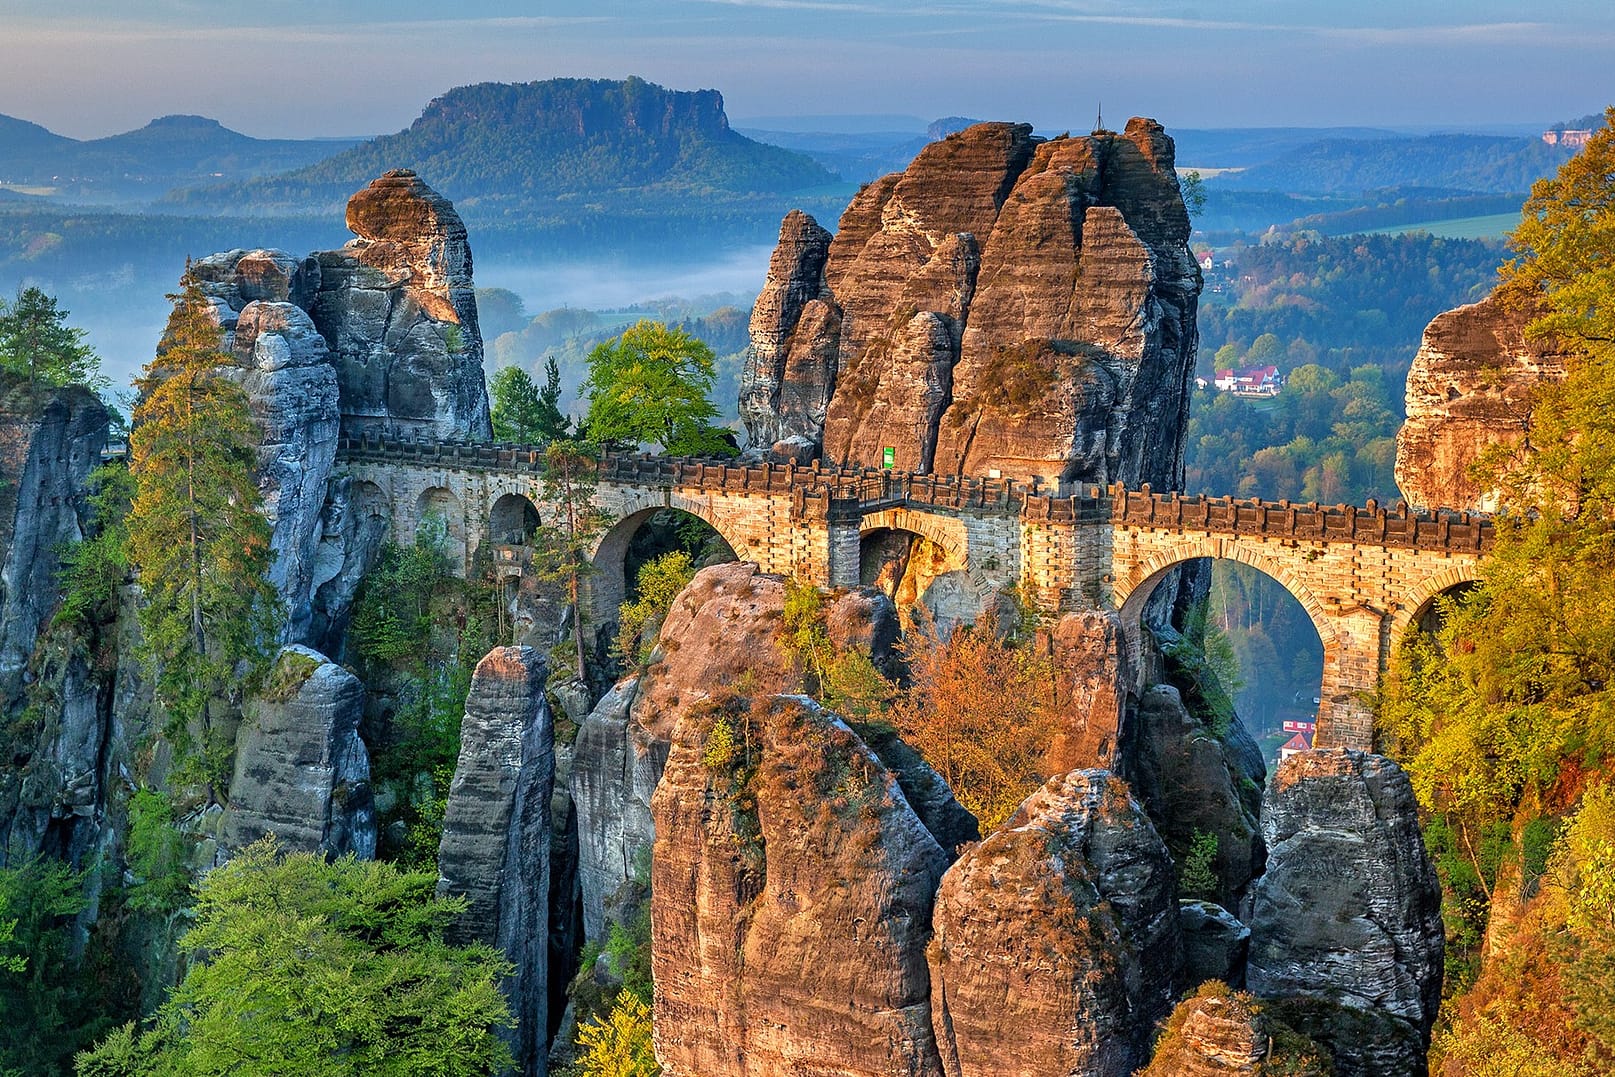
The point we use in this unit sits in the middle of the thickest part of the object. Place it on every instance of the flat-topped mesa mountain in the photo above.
(1007, 303)
(499, 147)
(1470, 388)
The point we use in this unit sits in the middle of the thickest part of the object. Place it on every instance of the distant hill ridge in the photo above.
(1461, 162)
(495, 147)
(146, 163)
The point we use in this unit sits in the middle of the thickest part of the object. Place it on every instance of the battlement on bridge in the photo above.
(846, 491)
(1363, 573)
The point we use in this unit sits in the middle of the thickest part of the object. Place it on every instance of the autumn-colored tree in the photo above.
(196, 535)
(981, 711)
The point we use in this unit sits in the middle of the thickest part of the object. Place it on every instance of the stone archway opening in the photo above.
(1254, 634)
(438, 512)
(926, 580)
(1431, 614)
(640, 538)
(512, 521)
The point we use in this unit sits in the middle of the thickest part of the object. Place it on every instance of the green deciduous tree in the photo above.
(37, 343)
(652, 386)
(660, 581)
(196, 535)
(300, 966)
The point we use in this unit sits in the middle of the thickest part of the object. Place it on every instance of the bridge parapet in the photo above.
(1368, 525)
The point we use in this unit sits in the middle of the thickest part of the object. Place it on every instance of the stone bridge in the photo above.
(1363, 574)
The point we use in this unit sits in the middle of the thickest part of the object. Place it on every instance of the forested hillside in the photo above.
(535, 147)
(1505, 716)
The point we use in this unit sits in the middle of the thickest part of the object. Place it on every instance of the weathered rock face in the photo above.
(496, 831)
(791, 902)
(1088, 650)
(380, 336)
(1215, 944)
(1349, 908)
(721, 636)
(397, 307)
(1192, 782)
(302, 773)
(293, 392)
(1219, 1033)
(50, 441)
(1469, 389)
(1004, 303)
(1056, 938)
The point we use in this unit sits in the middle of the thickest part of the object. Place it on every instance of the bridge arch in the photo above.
(442, 502)
(1336, 687)
(1412, 610)
(942, 583)
(608, 583)
(512, 520)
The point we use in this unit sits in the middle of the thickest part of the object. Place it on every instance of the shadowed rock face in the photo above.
(1004, 303)
(496, 831)
(302, 773)
(379, 336)
(54, 792)
(790, 904)
(1348, 911)
(1469, 389)
(1056, 938)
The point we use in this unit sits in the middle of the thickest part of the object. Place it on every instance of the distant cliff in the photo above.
(536, 145)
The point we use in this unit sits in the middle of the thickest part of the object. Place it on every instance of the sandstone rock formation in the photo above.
(1220, 1033)
(398, 309)
(791, 901)
(1088, 650)
(1215, 944)
(380, 336)
(1348, 911)
(53, 790)
(1004, 303)
(50, 440)
(720, 637)
(1469, 388)
(1056, 938)
(301, 771)
(496, 831)
(292, 388)
(1192, 782)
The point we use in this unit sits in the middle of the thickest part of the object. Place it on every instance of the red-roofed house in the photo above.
(1294, 746)
(1252, 381)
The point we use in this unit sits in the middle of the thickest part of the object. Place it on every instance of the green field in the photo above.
(1490, 227)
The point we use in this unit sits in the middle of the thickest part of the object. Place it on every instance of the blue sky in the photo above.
(299, 68)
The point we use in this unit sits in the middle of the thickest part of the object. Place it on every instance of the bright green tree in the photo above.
(619, 1044)
(196, 535)
(303, 967)
(651, 386)
(660, 581)
(37, 343)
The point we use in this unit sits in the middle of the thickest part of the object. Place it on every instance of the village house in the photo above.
(1251, 381)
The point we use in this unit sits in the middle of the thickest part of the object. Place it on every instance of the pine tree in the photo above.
(37, 343)
(196, 535)
(566, 498)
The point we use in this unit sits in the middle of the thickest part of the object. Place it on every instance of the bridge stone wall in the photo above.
(1362, 574)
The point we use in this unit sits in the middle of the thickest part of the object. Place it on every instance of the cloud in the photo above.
(103, 31)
